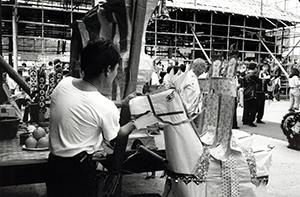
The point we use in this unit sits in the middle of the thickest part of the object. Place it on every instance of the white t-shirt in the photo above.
(294, 82)
(154, 79)
(79, 120)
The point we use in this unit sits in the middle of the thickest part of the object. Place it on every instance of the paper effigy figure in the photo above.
(204, 158)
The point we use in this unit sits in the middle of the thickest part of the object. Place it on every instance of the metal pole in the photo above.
(291, 51)
(207, 58)
(14, 75)
(71, 13)
(0, 28)
(228, 35)
(43, 40)
(280, 66)
(3, 98)
(261, 7)
(15, 32)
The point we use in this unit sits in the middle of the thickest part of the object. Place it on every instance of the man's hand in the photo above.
(125, 101)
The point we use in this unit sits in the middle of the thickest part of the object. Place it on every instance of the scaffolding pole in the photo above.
(206, 56)
(279, 64)
(14, 37)
(291, 51)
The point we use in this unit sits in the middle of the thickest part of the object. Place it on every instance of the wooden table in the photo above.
(19, 166)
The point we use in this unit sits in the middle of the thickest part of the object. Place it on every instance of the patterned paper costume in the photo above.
(204, 159)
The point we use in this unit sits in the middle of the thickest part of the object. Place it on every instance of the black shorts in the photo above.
(73, 176)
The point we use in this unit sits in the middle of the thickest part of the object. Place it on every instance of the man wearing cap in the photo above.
(250, 101)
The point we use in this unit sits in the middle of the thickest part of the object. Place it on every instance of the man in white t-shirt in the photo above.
(81, 117)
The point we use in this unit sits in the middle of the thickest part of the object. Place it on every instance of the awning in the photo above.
(239, 7)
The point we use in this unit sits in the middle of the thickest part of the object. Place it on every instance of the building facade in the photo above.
(39, 31)
(217, 26)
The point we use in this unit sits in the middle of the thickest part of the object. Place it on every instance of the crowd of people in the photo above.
(256, 83)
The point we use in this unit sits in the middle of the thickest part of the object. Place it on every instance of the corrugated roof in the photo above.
(239, 7)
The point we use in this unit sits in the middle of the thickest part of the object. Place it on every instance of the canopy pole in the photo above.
(279, 64)
(291, 51)
(14, 75)
(206, 56)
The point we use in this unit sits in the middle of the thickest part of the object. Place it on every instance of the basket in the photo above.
(8, 127)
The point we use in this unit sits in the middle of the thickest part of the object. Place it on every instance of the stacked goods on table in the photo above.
(35, 138)
(42, 85)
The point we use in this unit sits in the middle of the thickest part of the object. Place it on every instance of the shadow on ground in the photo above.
(269, 129)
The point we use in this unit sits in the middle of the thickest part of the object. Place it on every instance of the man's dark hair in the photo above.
(252, 66)
(97, 56)
(175, 68)
(56, 61)
(294, 72)
(182, 67)
(169, 69)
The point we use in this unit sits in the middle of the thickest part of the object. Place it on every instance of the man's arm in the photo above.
(113, 181)
(124, 102)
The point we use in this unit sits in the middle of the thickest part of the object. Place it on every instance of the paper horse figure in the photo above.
(191, 170)
(204, 158)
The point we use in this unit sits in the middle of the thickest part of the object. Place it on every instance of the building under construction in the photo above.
(217, 25)
(34, 30)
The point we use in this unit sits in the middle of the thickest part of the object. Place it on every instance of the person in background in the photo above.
(178, 70)
(190, 85)
(57, 64)
(66, 70)
(81, 118)
(294, 84)
(50, 64)
(250, 100)
(241, 75)
(160, 66)
(205, 74)
(154, 77)
(270, 89)
(260, 101)
(261, 90)
(235, 123)
(265, 75)
(182, 67)
(12, 85)
(162, 75)
(198, 66)
(167, 78)
(276, 83)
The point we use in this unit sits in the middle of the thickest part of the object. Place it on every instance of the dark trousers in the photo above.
(277, 94)
(249, 112)
(260, 106)
(73, 176)
(235, 124)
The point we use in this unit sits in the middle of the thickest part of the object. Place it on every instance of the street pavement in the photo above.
(284, 178)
